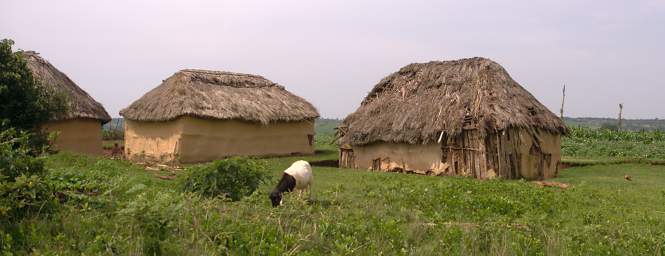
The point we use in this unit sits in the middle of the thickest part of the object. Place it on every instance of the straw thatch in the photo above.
(423, 100)
(219, 95)
(79, 105)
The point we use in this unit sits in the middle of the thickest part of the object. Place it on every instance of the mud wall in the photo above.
(205, 140)
(399, 157)
(152, 141)
(193, 140)
(78, 135)
(511, 154)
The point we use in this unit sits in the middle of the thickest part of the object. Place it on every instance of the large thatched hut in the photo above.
(464, 117)
(199, 115)
(79, 127)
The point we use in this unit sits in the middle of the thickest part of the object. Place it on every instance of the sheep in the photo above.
(297, 177)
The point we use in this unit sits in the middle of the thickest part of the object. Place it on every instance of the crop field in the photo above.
(113, 207)
(602, 143)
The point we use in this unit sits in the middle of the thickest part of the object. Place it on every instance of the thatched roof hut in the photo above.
(79, 105)
(440, 102)
(220, 95)
(79, 126)
(234, 114)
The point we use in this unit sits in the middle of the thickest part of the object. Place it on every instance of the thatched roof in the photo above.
(78, 103)
(420, 101)
(219, 95)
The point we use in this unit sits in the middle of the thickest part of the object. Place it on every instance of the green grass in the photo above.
(602, 143)
(360, 212)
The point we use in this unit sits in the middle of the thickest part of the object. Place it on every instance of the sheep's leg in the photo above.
(309, 189)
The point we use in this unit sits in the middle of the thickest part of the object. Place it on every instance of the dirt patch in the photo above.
(553, 184)
(161, 171)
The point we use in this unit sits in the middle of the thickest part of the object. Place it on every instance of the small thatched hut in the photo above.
(198, 115)
(464, 117)
(79, 128)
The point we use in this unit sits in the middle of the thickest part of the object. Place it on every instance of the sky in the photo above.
(333, 52)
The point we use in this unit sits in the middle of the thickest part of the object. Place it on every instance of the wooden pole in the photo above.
(620, 112)
(563, 100)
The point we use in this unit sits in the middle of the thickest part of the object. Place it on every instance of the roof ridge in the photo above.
(218, 72)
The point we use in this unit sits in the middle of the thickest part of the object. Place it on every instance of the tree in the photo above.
(25, 104)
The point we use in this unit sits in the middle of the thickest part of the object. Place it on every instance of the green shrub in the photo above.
(15, 157)
(22, 189)
(155, 214)
(23, 192)
(233, 178)
(78, 189)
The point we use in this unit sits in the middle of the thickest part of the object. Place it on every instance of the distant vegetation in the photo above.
(116, 123)
(325, 131)
(611, 123)
(114, 130)
(326, 125)
(592, 143)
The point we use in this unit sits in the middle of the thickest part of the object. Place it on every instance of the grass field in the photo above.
(119, 208)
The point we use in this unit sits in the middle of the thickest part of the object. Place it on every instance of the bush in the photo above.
(233, 178)
(23, 192)
(15, 156)
(154, 214)
(78, 189)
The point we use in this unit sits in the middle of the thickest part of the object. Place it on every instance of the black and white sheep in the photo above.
(298, 177)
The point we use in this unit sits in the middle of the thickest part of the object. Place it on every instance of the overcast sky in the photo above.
(333, 52)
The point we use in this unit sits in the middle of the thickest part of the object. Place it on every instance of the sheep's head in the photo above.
(276, 198)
